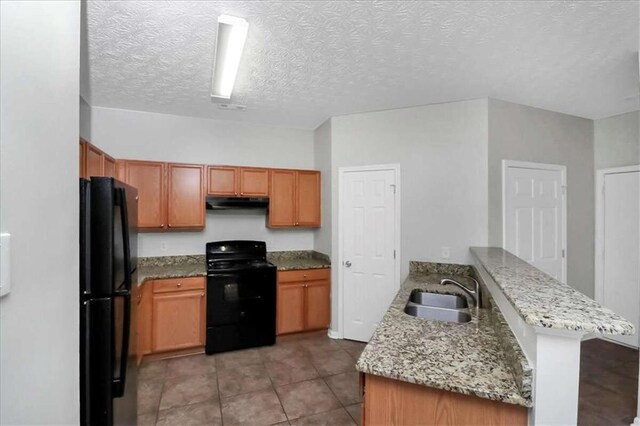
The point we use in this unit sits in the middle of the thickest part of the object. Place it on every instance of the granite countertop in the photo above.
(295, 260)
(542, 301)
(480, 358)
(155, 268)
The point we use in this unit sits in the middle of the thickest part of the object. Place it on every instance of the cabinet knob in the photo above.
(305, 275)
(162, 225)
(137, 198)
(179, 285)
(242, 193)
(201, 294)
(169, 225)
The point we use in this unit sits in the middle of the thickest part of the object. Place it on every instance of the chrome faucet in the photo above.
(475, 293)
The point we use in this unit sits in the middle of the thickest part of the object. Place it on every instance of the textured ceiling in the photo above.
(307, 60)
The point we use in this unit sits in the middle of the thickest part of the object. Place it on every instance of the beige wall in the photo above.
(518, 132)
(322, 162)
(617, 141)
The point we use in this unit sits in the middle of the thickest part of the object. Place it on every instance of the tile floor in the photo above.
(301, 380)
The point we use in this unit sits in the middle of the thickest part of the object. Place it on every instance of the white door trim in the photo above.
(537, 166)
(599, 243)
(342, 171)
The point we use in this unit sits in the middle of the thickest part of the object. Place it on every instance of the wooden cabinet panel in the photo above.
(290, 308)
(179, 284)
(149, 178)
(185, 202)
(83, 158)
(93, 161)
(304, 275)
(222, 180)
(254, 182)
(394, 402)
(282, 201)
(108, 166)
(318, 306)
(308, 198)
(178, 320)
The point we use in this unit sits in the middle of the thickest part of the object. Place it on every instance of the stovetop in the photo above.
(219, 265)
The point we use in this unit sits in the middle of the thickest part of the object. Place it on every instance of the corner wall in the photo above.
(39, 116)
(522, 133)
(322, 162)
(617, 141)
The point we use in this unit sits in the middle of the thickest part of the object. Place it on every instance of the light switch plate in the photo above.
(5, 264)
(446, 252)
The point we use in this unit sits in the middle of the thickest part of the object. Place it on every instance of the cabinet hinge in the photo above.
(393, 185)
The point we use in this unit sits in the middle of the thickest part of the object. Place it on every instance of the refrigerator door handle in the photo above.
(122, 198)
(118, 383)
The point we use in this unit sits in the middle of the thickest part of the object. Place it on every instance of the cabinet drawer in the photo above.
(303, 275)
(178, 284)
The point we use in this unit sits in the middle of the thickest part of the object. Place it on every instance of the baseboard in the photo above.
(590, 336)
(636, 421)
(333, 334)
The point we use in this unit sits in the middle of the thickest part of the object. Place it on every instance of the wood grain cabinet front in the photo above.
(185, 203)
(222, 180)
(254, 182)
(304, 300)
(294, 199)
(149, 178)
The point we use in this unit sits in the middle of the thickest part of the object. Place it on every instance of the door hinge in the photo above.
(563, 253)
(564, 189)
(393, 185)
(394, 254)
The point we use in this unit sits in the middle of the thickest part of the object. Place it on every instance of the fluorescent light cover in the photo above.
(232, 33)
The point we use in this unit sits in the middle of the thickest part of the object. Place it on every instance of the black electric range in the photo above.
(241, 296)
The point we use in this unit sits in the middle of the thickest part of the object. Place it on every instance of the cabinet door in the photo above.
(83, 158)
(282, 198)
(290, 308)
(185, 202)
(254, 182)
(108, 166)
(308, 198)
(222, 180)
(148, 177)
(318, 305)
(93, 161)
(178, 320)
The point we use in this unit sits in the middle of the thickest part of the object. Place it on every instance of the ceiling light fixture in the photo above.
(232, 33)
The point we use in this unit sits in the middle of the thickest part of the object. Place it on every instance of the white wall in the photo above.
(617, 141)
(39, 330)
(522, 133)
(161, 137)
(85, 119)
(442, 152)
(322, 162)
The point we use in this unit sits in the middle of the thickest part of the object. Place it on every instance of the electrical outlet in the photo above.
(446, 252)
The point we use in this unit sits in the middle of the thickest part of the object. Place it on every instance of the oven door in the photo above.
(241, 309)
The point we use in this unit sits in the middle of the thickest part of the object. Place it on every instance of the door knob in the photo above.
(347, 264)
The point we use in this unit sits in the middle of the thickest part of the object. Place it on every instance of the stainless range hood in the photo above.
(227, 203)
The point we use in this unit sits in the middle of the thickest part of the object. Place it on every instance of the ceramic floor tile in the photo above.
(255, 409)
(306, 398)
(149, 392)
(350, 345)
(281, 351)
(202, 413)
(237, 359)
(250, 378)
(318, 344)
(338, 417)
(329, 363)
(191, 365)
(291, 370)
(346, 387)
(148, 419)
(186, 390)
(355, 412)
(152, 370)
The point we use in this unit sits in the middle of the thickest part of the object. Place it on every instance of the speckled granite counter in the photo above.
(480, 358)
(545, 302)
(154, 268)
(293, 260)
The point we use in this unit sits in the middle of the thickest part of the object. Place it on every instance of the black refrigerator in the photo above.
(108, 261)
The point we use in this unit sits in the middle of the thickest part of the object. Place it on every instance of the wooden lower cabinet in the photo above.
(394, 402)
(171, 315)
(304, 300)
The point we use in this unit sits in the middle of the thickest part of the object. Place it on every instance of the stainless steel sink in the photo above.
(437, 314)
(450, 301)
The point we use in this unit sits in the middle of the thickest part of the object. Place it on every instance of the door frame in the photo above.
(599, 242)
(342, 171)
(537, 166)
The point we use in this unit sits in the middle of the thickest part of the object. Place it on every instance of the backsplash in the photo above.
(416, 267)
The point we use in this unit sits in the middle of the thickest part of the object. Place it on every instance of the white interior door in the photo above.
(534, 215)
(619, 217)
(368, 215)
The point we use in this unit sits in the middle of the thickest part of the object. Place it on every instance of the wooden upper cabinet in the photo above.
(308, 198)
(254, 182)
(282, 198)
(185, 203)
(149, 178)
(108, 166)
(222, 180)
(94, 158)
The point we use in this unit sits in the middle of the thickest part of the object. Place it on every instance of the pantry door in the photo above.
(369, 238)
(618, 244)
(535, 215)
